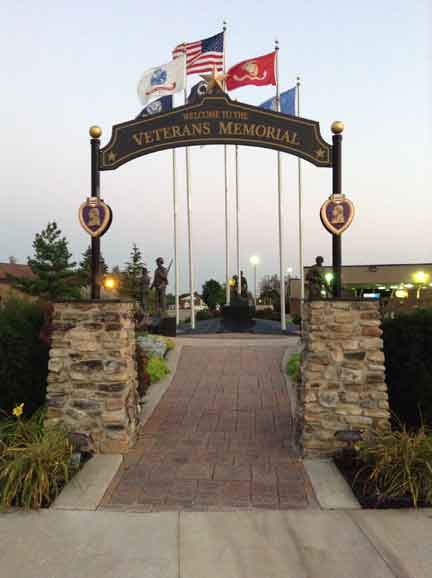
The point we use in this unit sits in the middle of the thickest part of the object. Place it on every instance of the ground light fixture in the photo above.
(109, 283)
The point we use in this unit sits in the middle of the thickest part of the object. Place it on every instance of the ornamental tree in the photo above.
(131, 277)
(55, 277)
(84, 268)
(213, 294)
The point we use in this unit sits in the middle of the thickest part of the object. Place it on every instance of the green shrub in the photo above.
(156, 369)
(203, 315)
(408, 355)
(296, 319)
(169, 343)
(35, 461)
(293, 366)
(23, 355)
(398, 464)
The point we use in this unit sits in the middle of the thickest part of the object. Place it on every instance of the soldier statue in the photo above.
(243, 285)
(316, 280)
(160, 282)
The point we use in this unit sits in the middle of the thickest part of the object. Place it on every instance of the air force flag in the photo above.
(287, 102)
(162, 104)
(162, 80)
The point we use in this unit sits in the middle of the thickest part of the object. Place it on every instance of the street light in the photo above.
(420, 279)
(254, 261)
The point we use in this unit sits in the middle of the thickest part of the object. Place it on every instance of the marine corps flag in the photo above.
(258, 71)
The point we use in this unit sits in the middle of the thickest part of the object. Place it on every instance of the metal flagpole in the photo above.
(189, 213)
(176, 263)
(237, 221)
(279, 172)
(227, 271)
(300, 209)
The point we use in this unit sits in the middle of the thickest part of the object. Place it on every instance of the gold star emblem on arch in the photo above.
(215, 80)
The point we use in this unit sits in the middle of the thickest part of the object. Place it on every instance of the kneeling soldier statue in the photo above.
(316, 280)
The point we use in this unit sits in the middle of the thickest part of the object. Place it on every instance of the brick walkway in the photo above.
(220, 438)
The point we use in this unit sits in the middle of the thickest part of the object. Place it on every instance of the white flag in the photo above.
(162, 80)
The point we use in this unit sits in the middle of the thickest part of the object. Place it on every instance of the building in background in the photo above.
(16, 270)
(399, 287)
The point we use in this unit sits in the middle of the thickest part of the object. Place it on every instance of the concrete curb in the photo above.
(330, 487)
(87, 488)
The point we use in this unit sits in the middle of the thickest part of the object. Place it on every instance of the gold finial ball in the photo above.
(95, 131)
(337, 127)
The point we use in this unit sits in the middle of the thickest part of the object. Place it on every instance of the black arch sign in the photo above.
(216, 119)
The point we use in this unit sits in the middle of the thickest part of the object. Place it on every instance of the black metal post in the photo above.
(95, 192)
(337, 190)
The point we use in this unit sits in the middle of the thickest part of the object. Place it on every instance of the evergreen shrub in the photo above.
(23, 355)
(408, 356)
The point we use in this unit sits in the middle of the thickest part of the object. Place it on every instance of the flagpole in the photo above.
(300, 209)
(176, 263)
(227, 271)
(189, 219)
(237, 220)
(279, 176)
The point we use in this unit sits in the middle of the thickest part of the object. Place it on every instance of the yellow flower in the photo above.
(18, 410)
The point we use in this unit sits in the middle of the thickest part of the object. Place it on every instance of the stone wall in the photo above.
(343, 374)
(92, 381)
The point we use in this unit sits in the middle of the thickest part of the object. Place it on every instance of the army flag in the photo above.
(163, 104)
(257, 71)
(287, 102)
(162, 80)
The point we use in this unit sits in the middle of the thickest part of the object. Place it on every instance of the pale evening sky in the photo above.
(68, 65)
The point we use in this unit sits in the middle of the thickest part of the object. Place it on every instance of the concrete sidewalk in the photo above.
(254, 544)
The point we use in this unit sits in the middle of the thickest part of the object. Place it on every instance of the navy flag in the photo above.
(163, 104)
(197, 92)
(287, 102)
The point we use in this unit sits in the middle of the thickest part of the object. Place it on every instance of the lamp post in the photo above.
(254, 261)
(420, 278)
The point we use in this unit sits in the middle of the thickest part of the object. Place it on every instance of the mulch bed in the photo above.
(348, 464)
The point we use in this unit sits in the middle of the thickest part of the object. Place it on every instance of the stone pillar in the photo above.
(343, 375)
(92, 380)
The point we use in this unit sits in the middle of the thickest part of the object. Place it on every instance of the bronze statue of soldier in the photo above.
(160, 283)
(316, 280)
(243, 285)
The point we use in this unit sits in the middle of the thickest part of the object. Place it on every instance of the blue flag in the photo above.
(163, 104)
(287, 102)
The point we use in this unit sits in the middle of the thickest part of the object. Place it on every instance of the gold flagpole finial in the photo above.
(95, 131)
(337, 127)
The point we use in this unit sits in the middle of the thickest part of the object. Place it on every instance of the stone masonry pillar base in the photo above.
(92, 381)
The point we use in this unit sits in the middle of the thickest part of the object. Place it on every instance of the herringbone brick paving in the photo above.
(220, 438)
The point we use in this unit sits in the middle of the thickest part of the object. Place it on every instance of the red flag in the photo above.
(258, 71)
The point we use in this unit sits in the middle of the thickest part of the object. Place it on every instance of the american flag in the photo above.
(203, 55)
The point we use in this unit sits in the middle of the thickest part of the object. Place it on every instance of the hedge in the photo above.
(408, 355)
(23, 356)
